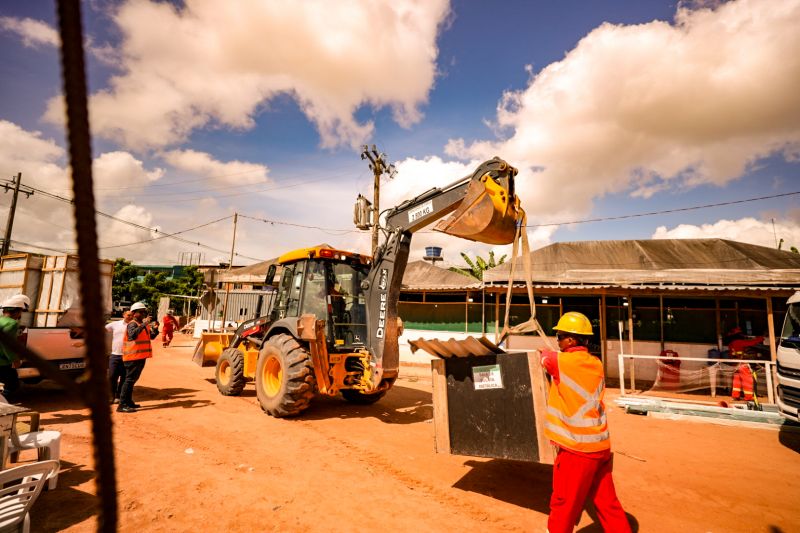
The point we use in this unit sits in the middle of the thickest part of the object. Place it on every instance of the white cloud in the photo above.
(220, 63)
(38, 34)
(34, 33)
(45, 221)
(747, 229)
(230, 172)
(121, 169)
(654, 106)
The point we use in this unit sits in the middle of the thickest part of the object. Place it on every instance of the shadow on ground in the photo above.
(401, 405)
(789, 436)
(152, 398)
(65, 506)
(523, 484)
(54, 403)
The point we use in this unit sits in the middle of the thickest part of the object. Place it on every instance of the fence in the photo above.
(714, 370)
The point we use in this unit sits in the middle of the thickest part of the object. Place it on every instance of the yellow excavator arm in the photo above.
(483, 207)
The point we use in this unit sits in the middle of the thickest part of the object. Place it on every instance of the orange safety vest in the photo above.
(576, 416)
(138, 348)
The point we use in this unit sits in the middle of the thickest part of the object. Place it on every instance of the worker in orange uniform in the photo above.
(576, 424)
(170, 325)
(136, 350)
(744, 380)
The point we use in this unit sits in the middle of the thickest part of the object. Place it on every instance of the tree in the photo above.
(479, 266)
(129, 285)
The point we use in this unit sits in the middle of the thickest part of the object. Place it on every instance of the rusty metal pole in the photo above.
(80, 158)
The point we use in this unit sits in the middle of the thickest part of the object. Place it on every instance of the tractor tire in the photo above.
(230, 372)
(285, 381)
(360, 398)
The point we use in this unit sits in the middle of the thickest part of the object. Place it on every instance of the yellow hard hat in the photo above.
(574, 322)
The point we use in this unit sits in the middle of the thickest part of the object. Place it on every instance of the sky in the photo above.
(201, 109)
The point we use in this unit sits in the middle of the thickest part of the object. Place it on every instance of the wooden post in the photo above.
(496, 316)
(773, 354)
(603, 336)
(661, 319)
(539, 395)
(441, 421)
(630, 342)
(466, 313)
(770, 390)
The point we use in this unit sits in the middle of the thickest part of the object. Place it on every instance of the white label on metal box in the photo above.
(487, 377)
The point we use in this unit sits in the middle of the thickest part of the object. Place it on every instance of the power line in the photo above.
(304, 226)
(664, 212)
(165, 235)
(139, 226)
(242, 193)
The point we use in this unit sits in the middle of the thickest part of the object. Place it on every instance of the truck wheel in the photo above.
(284, 377)
(230, 372)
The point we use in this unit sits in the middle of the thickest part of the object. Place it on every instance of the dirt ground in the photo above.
(193, 460)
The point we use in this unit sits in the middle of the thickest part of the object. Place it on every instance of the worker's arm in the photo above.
(10, 328)
(550, 363)
(135, 329)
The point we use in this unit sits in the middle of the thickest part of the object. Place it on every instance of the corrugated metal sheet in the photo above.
(471, 346)
(421, 275)
(685, 261)
(660, 287)
(242, 305)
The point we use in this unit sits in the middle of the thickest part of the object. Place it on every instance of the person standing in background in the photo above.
(170, 324)
(116, 367)
(136, 350)
(9, 324)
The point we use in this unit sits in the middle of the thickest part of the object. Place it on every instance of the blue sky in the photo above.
(201, 109)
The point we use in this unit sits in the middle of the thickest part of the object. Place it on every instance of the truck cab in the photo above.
(788, 356)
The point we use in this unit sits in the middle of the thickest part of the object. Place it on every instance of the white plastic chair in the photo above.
(48, 445)
(20, 488)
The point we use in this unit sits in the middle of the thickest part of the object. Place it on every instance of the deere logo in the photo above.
(383, 282)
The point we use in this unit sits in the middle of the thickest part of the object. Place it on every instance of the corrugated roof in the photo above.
(690, 261)
(421, 275)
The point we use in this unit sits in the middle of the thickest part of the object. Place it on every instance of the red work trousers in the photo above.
(577, 478)
(743, 383)
(166, 336)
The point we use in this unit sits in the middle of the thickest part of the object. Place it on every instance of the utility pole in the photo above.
(15, 184)
(230, 265)
(377, 163)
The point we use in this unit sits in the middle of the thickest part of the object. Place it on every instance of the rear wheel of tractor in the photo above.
(230, 372)
(284, 377)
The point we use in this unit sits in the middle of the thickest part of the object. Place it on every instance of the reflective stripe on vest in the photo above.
(577, 430)
(138, 348)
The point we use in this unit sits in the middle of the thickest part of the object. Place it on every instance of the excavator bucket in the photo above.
(210, 347)
(488, 213)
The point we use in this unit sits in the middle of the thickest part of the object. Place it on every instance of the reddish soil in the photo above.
(193, 460)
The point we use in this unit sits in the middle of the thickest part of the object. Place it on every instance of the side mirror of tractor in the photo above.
(271, 274)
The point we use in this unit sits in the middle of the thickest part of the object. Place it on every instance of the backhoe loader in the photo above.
(334, 327)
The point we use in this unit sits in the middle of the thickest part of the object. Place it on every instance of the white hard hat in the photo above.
(137, 306)
(19, 301)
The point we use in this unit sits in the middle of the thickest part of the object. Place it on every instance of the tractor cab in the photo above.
(327, 284)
